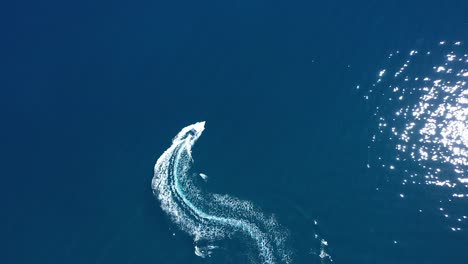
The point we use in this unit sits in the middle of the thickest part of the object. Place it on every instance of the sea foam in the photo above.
(209, 218)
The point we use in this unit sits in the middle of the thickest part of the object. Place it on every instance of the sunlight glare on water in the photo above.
(420, 107)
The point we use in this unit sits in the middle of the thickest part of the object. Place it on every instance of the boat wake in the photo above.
(209, 218)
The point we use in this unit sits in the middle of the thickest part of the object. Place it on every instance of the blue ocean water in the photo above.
(301, 111)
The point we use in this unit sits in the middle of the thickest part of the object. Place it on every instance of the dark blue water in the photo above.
(94, 91)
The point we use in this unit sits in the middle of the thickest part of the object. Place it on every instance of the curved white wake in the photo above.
(210, 217)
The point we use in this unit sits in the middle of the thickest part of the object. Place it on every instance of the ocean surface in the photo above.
(334, 132)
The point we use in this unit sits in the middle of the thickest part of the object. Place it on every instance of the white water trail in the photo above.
(210, 217)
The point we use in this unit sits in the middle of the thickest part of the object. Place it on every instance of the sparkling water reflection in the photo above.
(420, 105)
